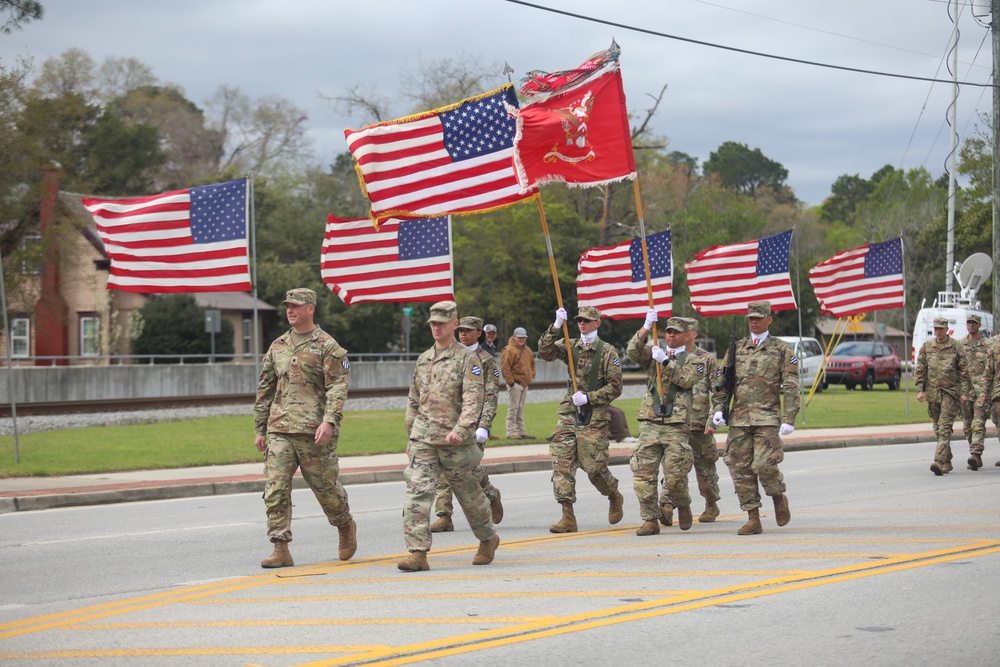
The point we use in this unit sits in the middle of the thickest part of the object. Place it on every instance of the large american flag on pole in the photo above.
(192, 240)
(614, 279)
(401, 260)
(723, 279)
(860, 280)
(452, 160)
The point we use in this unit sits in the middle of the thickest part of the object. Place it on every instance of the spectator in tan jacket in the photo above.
(517, 365)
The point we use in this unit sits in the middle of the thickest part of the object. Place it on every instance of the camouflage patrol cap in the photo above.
(972, 317)
(470, 323)
(759, 309)
(678, 324)
(589, 313)
(692, 323)
(299, 296)
(443, 311)
(940, 322)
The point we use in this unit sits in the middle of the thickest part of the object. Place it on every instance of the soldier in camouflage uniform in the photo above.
(942, 379)
(765, 366)
(599, 381)
(988, 384)
(468, 334)
(663, 423)
(976, 348)
(300, 402)
(442, 415)
(703, 445)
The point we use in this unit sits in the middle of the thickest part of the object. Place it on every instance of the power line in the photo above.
(760, 54)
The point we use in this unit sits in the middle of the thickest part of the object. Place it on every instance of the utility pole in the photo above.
(995, 30)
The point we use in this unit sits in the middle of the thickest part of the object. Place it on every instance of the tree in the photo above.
(743, 170)
(20, 12)
(175, 324)
(120, 159)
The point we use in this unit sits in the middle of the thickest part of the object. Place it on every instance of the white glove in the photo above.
(659, 356)
(651, 318)
(561, 316)
(717, 419)
(482, 435)
(579, 398)
(786, 429)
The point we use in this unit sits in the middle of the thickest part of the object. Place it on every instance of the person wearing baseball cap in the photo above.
(976, 348)
(580, 439)
(489, 339)
(517, 365)
(942, 379)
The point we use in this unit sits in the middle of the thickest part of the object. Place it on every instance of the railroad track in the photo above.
(167, 402)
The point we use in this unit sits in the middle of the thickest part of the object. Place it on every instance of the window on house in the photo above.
(90, 336)
(247, 336)
(20, 337)
(31, 254)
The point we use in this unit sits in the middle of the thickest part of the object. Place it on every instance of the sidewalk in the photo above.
(18, 494)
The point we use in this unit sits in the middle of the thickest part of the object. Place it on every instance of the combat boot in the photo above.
(667, 515)
(415, 562)
(782, 514)
(684, 517)
(348, 540)
(443, 524)
(946, 467)
(649, 527)
(752, 526)
(487, 549)
(975, 462)
(280, 557)
(710, 514)
(496, 508)
(615, 511)
(567, 524)
(936, 468)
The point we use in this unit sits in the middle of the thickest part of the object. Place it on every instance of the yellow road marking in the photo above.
(269, 622)
(207, 650)
(439, 596)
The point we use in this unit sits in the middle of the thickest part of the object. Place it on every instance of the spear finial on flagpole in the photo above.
(508, 70)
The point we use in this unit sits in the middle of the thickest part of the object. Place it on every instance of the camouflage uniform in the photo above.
(753, 447)
(572, 446)
(988, 383)
(663, 440)
(301, 386)
(974, 414)
(943, 375)
(444, 505)
(446, 395)
(703, 445)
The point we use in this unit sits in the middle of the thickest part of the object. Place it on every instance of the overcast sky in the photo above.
(819, 123)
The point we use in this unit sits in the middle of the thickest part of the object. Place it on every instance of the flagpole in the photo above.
(798, 288)
(649, 280)
(255, 338)
(555, 281)
(906, 325)
(10, 363)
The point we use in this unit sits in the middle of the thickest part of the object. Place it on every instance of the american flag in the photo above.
(402, 260)
(452, 160)
(192, 240)
(860, 280)
(614, 279)
(724, 278)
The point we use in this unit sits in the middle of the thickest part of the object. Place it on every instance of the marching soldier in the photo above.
(702, 441)
(976, 348)
(942, 379)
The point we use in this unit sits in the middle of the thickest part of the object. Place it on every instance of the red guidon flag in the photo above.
(578, 135)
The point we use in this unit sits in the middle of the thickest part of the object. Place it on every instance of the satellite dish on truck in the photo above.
(956, 306)
(974, 272)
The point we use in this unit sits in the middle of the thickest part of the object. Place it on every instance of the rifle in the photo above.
(729, 374)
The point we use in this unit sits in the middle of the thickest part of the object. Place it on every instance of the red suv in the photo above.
(864, 362)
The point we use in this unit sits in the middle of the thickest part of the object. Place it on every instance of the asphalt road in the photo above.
(882, 564)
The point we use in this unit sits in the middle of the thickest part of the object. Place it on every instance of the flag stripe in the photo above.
(610, 278)
(861, 279)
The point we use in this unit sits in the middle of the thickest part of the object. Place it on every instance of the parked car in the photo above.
(864, 363)
(810, 355)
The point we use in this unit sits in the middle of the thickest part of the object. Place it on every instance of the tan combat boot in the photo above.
(443, 524)
(415, 562)
(649, 527)
(615, 511)
(946, 467)
(496, 508)
(752, 526)
(280, 557)
(487, 549)
(667, 516)
(684, 517)
(710, 514)
(348, 540)
(937, 469)
(567, 524)
(782, 514)
(975, 461)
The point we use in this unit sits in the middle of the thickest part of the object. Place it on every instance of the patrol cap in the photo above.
(972, 317)
(443, 311)
(759, 309)
(589, 313)
(470, 323)
(520, 333)
(678, 324)
(692, 323)
(940, 322)
(299, 296)
(491, 328)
